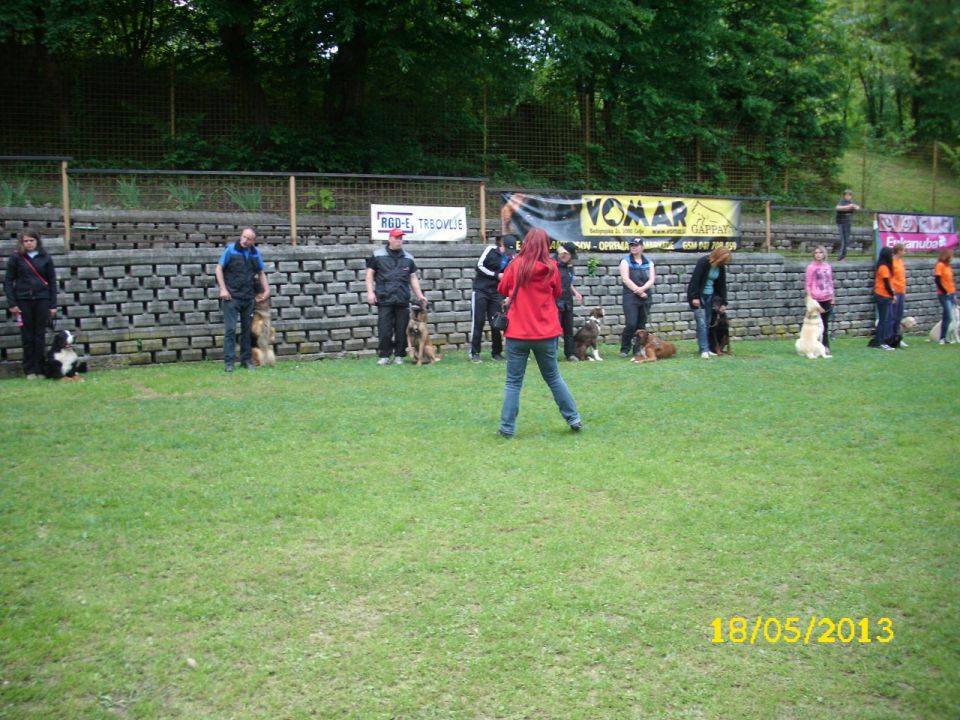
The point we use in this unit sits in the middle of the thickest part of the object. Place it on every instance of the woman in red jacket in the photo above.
(531, 286)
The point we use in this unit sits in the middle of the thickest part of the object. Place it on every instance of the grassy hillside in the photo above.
(900, 182)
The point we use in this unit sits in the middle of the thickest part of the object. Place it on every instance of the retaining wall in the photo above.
(161, 305)
(141, 229)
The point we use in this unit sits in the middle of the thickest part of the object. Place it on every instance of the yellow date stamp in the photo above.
(772, 630)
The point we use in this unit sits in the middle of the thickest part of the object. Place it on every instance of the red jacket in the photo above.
(533, 312)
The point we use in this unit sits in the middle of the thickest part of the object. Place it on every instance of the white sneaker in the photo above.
(398, 361)
(705, 355)
(942, 341)
(712, 354)
(885, 347)
(903, 344)
(383, 361)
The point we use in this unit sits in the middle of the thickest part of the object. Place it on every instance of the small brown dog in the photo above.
(587, 339)
(649, 348)
(262, 335)
(419, 344)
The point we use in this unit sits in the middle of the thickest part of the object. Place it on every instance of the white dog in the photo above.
(810, 342)
(953, 330)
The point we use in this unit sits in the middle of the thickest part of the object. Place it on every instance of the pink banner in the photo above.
(917, 233)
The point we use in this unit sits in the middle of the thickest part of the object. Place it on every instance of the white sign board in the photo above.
(424, 223)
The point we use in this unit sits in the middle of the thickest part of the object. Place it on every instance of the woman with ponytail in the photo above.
(531, 285)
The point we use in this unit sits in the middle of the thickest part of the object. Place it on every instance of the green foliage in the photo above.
(129, 192)
(80, 199)
(592, 265)
(723, 97)
(321, 199)
(246, 199)
(14, 193)
(182, 195)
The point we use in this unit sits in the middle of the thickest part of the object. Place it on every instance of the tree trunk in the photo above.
(235, 37)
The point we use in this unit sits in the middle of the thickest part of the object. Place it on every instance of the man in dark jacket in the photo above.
(391, 274)
(485, 300)
(566, 254)
(242, 282)
(845, 209)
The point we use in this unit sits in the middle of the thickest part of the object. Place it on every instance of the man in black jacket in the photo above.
(485, 300)
(242, 281)
(391, 274)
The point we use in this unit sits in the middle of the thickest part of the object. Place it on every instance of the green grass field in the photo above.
(339, 540)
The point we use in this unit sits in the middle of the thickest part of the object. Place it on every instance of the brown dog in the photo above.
(650, 348)
(587, 339)
(262, 335)
(419, 344)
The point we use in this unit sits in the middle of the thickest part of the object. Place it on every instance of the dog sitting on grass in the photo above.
(262, 335)
(810, 342)
(587, 339)
(419, 345)
(63, 363)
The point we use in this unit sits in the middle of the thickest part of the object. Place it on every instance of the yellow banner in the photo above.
(646, 216)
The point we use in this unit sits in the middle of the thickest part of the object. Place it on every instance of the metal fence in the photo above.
(49, 181)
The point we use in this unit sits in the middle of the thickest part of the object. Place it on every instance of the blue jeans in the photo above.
(947, 303)
(545, 352)
(232, 309)
(703, 315)
(883, 318)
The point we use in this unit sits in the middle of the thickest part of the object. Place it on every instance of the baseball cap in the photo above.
(635, 241)
(396, 232)
(509, 242)
(570, 248)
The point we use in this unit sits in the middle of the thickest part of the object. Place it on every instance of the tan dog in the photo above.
(810, 342)
(587, 339)
(953, 329)
(650, 348)
(419, 344)
(262, 335)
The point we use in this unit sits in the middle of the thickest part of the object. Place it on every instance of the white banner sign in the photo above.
(424, 223)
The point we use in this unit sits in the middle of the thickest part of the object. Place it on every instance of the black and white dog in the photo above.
(63, 363)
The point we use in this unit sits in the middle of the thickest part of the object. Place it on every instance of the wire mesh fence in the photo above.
(176, 113)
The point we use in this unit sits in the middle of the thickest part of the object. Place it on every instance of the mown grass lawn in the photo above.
(339, 540)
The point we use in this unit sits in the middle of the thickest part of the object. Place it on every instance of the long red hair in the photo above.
(535, 249)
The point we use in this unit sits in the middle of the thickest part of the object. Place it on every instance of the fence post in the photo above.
(766, 225)
(483, 211)
(293, 210)
(65, 189)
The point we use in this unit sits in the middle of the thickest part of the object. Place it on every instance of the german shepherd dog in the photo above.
(587, 339)
(262, 335)
(718, 334)
(419, 345)
(63, 363)
(649, 348)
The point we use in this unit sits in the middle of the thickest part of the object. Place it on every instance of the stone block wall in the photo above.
(161, 305)
(140, 229)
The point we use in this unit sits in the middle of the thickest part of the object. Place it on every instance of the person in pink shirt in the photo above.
(819, 284)
(531, 285)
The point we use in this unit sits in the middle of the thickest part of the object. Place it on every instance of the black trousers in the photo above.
(33, 334)
(635, 313)
(392, 330)
(827, 309)
(566, 323)
(482, 307)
